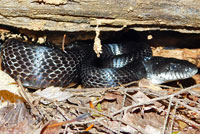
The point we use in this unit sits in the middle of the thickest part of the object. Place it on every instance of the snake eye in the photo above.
(173, 66)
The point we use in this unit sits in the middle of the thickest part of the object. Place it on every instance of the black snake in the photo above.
(39, 66)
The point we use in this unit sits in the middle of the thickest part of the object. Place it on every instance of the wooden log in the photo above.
(112, 15)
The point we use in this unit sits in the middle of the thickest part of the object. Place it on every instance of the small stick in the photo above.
(157, 99)
(25, 96)
(23, 93)
(79, 118)
(173, 118)
(167, 116)
(63, 42)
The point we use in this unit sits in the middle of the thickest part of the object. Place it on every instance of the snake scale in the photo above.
(41, 66)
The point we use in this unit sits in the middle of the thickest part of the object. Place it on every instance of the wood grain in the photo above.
(113, 15)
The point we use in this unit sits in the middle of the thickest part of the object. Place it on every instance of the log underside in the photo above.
(110, 15)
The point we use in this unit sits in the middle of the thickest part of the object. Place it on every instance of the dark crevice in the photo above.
(169, 39)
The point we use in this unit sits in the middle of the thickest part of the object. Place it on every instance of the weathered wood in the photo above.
(113, 15)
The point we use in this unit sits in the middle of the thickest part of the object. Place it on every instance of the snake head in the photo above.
(161, 70)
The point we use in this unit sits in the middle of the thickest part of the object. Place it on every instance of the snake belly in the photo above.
(39, 66)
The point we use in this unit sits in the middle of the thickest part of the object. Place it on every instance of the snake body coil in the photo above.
(133, 63)
(39, 66)
(43, 66)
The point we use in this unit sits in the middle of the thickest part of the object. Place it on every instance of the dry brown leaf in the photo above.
(54, 93)
(193, 98)
(6, 95)
(50, 130)
(7, 83)
(148, 84)
(20, 128)
(140, 97)
(111, 96)
(15, 119)
(14, 114)
(128, 129)
(152, 123)
(182, 125)
(117, 99)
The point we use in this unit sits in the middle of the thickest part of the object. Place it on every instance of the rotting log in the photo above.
(112, 15)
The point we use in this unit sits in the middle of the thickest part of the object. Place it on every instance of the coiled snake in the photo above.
(39, 66)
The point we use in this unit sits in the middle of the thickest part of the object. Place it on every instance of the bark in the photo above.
(112, 15)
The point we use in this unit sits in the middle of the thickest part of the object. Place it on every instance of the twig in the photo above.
(186, 100)
(156, 99)
(60, 111)
(167, 115)
(193, 92)
(121, 114)
(24, 95)
(138, 128)
(95, 111)
(22, 92)
(179, 117)
(111, 117)
(109, 128)
(63, 42)
(185, 90)
(173, 117)
(81, 117)
(160, 95)
(187, 106)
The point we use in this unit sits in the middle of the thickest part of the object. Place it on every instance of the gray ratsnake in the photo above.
(41, 66)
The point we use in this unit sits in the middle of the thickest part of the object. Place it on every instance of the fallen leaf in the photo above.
(91, 105)
(6, 95)
(51, 130)
(15, 119)
(182, 124)
(152, 130)
(144, 83)
(7, 83)
(111, 96)
(54, 93)
(99, 107)
(140, 97)
(128, 129)
(151, 123)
